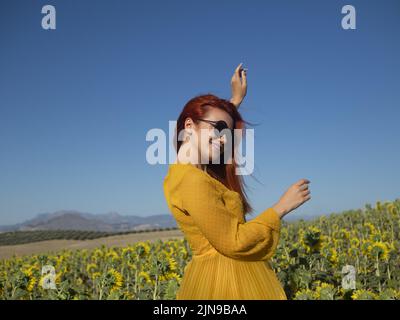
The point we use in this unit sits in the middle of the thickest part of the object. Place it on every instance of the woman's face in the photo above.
(208, 138)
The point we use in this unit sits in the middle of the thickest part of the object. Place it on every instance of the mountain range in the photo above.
(75, 220)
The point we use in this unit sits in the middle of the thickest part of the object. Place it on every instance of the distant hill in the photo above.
(107, 222)
(75, 220)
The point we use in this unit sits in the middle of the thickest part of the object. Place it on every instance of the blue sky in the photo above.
(76, 102)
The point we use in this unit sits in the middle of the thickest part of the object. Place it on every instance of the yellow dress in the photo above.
(230, 256)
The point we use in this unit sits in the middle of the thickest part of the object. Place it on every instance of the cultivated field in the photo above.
(109, 241)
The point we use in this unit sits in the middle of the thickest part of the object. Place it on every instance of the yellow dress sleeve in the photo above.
(253, 240)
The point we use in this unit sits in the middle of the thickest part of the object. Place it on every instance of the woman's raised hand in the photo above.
(238, 85)
(295, 196)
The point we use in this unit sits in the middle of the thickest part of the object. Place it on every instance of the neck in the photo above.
(192, 159)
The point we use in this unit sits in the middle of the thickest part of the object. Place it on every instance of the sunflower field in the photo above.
(312, 260)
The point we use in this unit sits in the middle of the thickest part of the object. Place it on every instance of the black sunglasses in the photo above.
(219, 125)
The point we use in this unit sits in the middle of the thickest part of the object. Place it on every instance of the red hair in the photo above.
(196, 108)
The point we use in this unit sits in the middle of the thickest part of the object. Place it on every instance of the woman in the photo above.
(230, 255)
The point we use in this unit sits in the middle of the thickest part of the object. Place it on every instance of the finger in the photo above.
(302, 181)
(234, 77)
(303, 187)
(238, 68)
(244, 78)
(237, 71)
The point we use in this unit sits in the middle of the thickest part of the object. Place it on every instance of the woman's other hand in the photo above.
(238, 85)
(295, 196)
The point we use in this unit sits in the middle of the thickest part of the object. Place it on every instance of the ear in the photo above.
(188, 123)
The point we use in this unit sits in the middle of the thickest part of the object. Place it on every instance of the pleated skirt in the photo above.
(217, 277)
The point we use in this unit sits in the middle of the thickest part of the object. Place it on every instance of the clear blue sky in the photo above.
(76, 102)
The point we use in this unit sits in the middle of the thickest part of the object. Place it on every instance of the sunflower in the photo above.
(145, 275)
(31, 284)
(91, 267)
(172, 263)
(363, 295)
(117, 279)
(380, 250)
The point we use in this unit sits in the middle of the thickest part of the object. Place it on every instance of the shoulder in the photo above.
(189, 176)
(193, 175)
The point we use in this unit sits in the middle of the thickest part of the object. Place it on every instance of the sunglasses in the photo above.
(219, 125)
